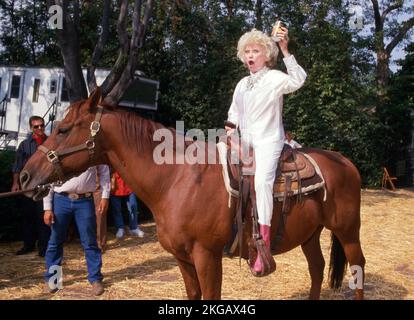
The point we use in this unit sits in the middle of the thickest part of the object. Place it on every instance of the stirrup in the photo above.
(263, 253)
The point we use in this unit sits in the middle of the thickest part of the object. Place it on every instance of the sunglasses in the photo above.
(40, 126)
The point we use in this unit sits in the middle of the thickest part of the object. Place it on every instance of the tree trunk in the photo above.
(121, 61)
(259, 15)
(384, 51)
(69, 46)
(230, 8)
(382, 75)
(137, 40)
(122, 73)
(68, 41)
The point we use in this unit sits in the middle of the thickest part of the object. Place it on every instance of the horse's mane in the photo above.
(138, 131)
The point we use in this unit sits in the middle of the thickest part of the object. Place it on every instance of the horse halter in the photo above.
(54, 157)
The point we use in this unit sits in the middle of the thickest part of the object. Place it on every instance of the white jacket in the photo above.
(258, 112)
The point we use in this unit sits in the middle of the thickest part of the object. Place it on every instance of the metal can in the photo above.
(276, 26)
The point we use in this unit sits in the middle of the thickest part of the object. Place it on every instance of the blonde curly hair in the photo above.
(260, 38)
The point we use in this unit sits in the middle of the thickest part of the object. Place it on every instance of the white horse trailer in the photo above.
(27, 91)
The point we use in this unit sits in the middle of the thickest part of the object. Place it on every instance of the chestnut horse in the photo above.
(190, 203)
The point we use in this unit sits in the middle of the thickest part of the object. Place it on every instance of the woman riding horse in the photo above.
(190, 201)
(257, 110)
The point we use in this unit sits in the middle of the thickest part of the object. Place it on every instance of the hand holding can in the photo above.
(275, 30)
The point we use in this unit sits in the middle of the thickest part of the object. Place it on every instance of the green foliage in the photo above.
(193, 56)
(191, 49)
(396, 115)
(25, 37)
(327, 112)
(10, 216)
(90, 22)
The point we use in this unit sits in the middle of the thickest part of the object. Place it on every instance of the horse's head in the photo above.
(70, 149)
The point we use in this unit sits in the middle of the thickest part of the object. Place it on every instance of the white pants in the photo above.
(267, 153)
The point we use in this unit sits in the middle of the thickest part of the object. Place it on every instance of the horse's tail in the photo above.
(337, 264)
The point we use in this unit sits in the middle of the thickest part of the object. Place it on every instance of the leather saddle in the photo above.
(295, 172)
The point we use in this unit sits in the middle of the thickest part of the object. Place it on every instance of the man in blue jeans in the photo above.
(74, 199)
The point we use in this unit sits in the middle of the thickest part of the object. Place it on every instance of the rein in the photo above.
(54, 157)
(41, 187)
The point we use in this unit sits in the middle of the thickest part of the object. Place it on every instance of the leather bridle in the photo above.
(54, 157)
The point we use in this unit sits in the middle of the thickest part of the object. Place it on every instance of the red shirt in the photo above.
(39, 139)
(120, 187)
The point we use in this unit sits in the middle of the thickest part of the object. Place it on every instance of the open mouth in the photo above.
(250, 63)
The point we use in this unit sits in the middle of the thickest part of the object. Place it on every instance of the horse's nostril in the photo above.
(24, 178)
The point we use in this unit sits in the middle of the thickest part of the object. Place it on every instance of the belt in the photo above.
(76, 196)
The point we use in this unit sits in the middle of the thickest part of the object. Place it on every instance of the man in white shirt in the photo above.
(289, 140)
(74, 199)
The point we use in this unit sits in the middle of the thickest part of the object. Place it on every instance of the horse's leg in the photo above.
(209, 270)
(354, 255)
(192, 285)
(353, 252)
(316, 263)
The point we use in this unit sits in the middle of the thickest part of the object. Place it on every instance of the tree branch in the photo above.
(143, 26)
(138, 33)
(377, 17)
(70, 49)
(230, 7)
(136, 19)
(76, 13)
(259, 15)
(391, 8)
(121, 61)
(99, 48)
(400, 35)
(121, 26)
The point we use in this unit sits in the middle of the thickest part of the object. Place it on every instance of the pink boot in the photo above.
(265, 233)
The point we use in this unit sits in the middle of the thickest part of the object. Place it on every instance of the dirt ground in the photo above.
(140, 269)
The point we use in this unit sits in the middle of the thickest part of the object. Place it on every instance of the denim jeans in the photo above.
(116, 209)
(83, 210)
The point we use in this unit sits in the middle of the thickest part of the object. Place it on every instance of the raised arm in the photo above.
(296, 76)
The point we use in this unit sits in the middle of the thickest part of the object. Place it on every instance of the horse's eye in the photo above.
(63, 130)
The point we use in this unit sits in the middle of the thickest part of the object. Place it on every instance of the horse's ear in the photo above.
(94, 99)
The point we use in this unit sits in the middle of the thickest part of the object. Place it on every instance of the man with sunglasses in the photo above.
(33, 226)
